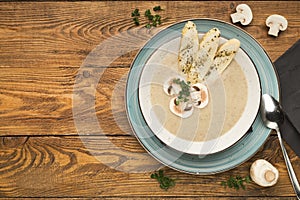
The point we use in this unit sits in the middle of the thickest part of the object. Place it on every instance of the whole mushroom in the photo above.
(276, 23)
(264, 173)
(243, 14)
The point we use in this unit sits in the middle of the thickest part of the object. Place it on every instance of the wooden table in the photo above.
(42, 154)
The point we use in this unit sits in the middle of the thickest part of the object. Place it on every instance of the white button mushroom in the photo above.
(276, 23)
(243, 14)
(264, 173)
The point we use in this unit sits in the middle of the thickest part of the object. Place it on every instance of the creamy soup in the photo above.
(207, 123)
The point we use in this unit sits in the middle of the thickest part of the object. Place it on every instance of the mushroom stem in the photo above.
(237, 17)
(274, 30)
(269, 176)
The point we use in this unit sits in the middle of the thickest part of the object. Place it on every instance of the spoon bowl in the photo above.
(271, 112)
(272, 115)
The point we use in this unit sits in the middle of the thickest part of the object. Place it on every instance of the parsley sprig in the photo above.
(165, 182)
(153, 19)
(236, 182)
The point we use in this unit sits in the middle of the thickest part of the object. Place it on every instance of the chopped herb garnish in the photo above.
(184, 94)
(164, 181)
(236, 182)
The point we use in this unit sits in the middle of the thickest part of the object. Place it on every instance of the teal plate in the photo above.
(221, 161)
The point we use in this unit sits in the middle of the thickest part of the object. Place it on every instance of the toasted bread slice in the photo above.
(225, 54)
(204, 58)
(208, 45)
(188, 47)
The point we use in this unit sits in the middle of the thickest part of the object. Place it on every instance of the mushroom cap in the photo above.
(243, 14)
(200, 95)
(183, 110)
(264, 173)
(277, 19)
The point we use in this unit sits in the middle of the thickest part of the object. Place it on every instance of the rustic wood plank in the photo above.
(40, 103)
(43, 45)
(63, 33)
(67, 167)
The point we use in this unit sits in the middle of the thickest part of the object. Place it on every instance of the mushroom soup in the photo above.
(202, 125)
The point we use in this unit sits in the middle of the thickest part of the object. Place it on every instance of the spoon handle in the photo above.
(289, 166)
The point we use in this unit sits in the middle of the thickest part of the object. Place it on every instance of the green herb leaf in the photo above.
(135, 13)
(157, 8)
(248, 179)
(136, 21)
(184, 93)
(148, 13)
(164, 181)
(148, 25)
(236, 182)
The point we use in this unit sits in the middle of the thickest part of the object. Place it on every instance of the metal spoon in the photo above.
(272, 114)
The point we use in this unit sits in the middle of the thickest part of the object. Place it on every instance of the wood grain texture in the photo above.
(40, 102)
(56, 59)
(51, 166)
(44, 44)
(35, 34)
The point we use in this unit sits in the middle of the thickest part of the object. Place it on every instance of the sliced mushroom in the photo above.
(170, 88)
(276, 23)
(181, 109)
(264, 173)
(243, 14)
(199, 95)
